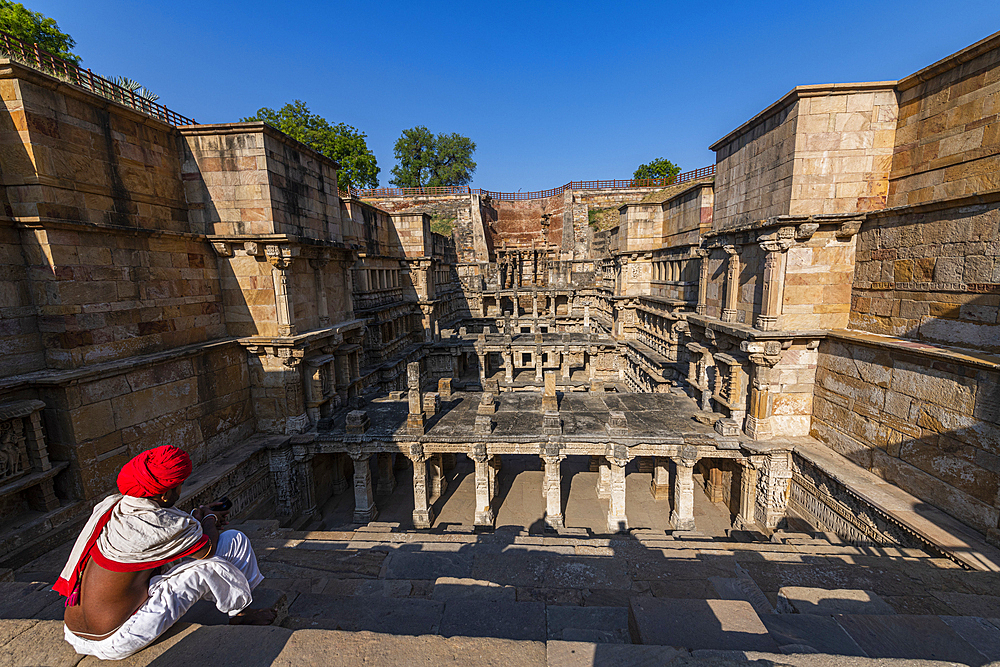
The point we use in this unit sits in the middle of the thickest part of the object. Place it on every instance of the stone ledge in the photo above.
(951, 355)
(953, 538)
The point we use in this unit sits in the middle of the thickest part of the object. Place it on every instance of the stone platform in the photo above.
(379, 595)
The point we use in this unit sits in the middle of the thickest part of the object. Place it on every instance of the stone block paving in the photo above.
(384, 595)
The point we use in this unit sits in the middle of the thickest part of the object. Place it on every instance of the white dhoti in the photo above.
(225, 579)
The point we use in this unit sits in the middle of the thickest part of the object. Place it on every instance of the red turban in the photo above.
(154, 471)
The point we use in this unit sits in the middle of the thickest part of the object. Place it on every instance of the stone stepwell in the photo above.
(380, 595)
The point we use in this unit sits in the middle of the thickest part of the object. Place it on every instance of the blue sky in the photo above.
(549, 91)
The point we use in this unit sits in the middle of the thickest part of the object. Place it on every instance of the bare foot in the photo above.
(254, 617)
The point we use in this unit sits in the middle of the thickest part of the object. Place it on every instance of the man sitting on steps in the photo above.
(125, 582)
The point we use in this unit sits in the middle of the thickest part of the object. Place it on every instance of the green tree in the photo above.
(341, 142)
(432, 160)
(658, 168)
(36, 28)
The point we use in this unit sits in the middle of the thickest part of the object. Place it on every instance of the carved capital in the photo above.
(805, 231)
(280, 257)
(222, 248)
(731, 250)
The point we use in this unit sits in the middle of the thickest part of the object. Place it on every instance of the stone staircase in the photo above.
(378, 595)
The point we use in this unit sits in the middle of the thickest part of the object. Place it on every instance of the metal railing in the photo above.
(459, 190)
(31, 55)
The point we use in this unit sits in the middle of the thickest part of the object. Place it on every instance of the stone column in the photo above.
(732, 284)
(307, 482)
(763, 356)
(534, 306)
(660, 486)
(482, 368)
(617, 521)
(322, 308)
(702, 306)
(280, 258)
(339, 482)
(439, 484)
(773, 486)
(586, 315)
(550, 402)
(386, 474)
(552, 492)
(773, 284)
(508, 366)
(565, 365)
(484, 492)
(682, 515)
(415, 418)
(603, 478)
(364, 498)
(713, 486)
(746, 519)
(423, 513)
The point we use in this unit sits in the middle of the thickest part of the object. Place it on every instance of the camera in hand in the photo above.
(223, 504)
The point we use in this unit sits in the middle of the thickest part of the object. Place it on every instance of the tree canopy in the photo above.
(341, 142)
(658, 168)
(36, 28)
(426, 159)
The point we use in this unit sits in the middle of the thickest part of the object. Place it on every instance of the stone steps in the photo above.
(569, 599)
(25, 643)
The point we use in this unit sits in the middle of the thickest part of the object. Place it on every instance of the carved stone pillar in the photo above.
(773, 487)
(386, 474)
(322, 308)
(617, 521)
(339, 479)
(713, 485)
(306, 481)
(603, 478)
(423, 513)
(508, 366)
(484, 492)
(552, 492)
(439, 483)
(773, 284)
(702, 306)
(496, 463)
(364, 497)
(758, 423)
(415, 418)
(732, 284)
(565, 365)
(660, 486)
(482, 368)
(746, 518)
(280, 259)
(682, 515)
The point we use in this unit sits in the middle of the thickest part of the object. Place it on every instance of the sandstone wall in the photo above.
(519, 222)
(104, 295)
(198, 398)
(948, 135)
(21, 349)
(818, 150)
(927, 421)
(687, 217)
(817, 290)
(754, 167)
(247, 178)
(68, 155)
(931, 275)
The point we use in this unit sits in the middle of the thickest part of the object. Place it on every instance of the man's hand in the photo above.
(219, 509)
